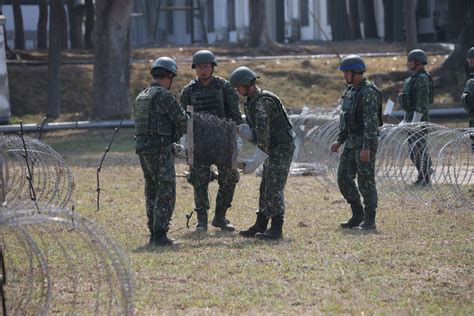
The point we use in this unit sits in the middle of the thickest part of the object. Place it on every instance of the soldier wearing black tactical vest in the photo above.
(159, 122)
(212, 95)
(360, 119)
(467, 98)
(416, 99)
(270, 129)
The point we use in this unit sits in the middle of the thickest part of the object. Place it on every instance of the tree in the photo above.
(354, 19)
(410, 25)
(18, 22)
(112, 55)
(42, 33)
(54, 59)
(258, 34)
(76, 19)
(370, 26)
(453, 68)
(339, 20)
(89, 6)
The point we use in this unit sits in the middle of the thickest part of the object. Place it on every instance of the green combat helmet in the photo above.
(242, 76)
(164, 64)
(355, 63)
(203, 57)
(470, 53)
(417, 54)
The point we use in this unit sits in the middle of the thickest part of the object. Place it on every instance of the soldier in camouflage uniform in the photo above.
(359, 122)
(273, 134)
(212, 95)
(467, 98)
(417, 96)
(159, 122)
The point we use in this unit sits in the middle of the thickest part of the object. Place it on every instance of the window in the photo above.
(210, 15)
(169, 18)
(304, 12)
(231, 15)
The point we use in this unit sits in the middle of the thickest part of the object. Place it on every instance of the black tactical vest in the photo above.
(209, 99)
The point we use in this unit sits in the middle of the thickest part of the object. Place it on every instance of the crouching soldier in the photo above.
(159, 122)
(269, 127)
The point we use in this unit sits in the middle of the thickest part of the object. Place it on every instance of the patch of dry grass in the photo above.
(419, 262)
(315, 82)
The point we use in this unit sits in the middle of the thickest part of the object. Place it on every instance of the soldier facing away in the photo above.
(467, 98)
(159, 122)
(268, 127)
(212, 95)
(359, 122)
(416, 98)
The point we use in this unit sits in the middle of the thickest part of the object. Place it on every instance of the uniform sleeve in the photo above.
(175, 112)
(422, 90)
(263, 108)
(185, 98)
(370, 102)
(342, 136)
(232, 104)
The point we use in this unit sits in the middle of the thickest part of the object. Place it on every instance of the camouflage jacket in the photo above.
(361, 116)
(268, 120)
(417, 95)
(467, 98)
(159, 119)
(219, 99)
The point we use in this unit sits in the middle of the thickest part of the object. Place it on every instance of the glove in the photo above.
(245, 132)
(417, 117)
(179, 151)
(258, 158)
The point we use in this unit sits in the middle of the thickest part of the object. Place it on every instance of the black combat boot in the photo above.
(260, 226)
(357, 216)
(369, 220)
(162, 240)
(220, 221)
(275, 230)
(202, 220)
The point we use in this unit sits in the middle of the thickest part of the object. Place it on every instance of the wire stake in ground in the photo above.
(116, 130)
(29, 177)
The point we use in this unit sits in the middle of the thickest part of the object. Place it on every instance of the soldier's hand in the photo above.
(365, 155)
(335, 147)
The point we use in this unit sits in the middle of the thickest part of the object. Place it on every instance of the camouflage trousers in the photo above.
(419, 153)
(160, 188)
(272, 187)
(471, 125)
(199, 178)
(350, 166)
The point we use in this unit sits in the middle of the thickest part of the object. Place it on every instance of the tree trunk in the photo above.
(112, 55)
(258, 35)
(54, 59)
(89, 24)
(42, 33)
(18, 22)
(340, 25)
(410, 25)
(354, 19)
(76, 18)
(64, 26)
(388, 20)
(370, 24)
(454, 68)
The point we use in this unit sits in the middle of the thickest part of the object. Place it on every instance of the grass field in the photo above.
(420, 261)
